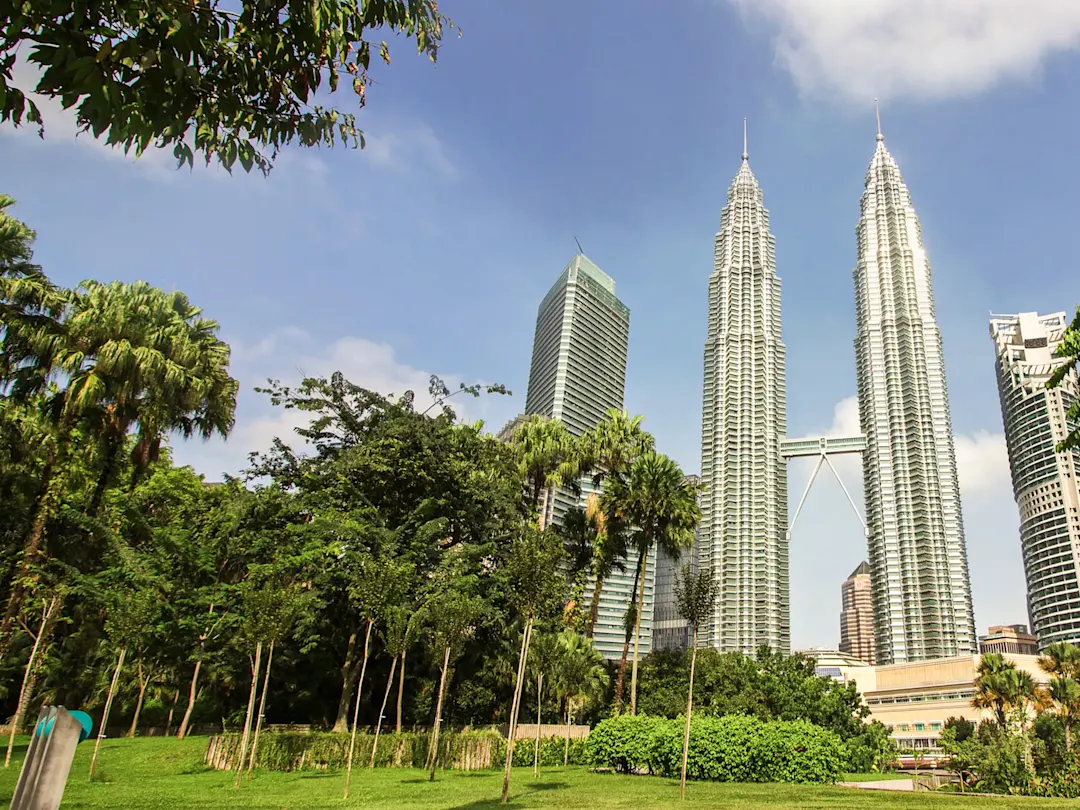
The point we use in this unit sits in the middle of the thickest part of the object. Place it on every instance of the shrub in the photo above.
(552, 751)
(1060, 784)
(624, 743)
(733, 748)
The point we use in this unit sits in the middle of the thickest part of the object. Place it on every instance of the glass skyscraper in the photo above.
(578, 374)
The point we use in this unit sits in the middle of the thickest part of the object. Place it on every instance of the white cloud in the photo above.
(982, 463)
(861, 49)
(409, 147)
(290, 354)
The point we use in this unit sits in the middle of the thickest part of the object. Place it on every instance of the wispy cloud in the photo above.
(409, 147)
(931, 49)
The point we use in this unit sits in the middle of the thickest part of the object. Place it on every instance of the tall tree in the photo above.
(695, 596)
(229, 81)
(581, 676)
(534, 581)
(660, 505)
(542, 666)
(607, 452)
(454, 615)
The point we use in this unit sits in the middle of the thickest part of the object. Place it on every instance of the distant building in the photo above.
(507, 431)
(857, 616)
(670, 631)
(578, 374)
(915, 699)
(1046, 483)
(1009, 638)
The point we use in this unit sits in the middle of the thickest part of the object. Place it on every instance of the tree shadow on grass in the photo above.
(493, 804)
(321, 775)
(537, 786)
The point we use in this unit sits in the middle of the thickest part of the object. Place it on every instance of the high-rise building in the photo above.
(670, 631)
(857, 616)
(918, 561)
(578, 374)
(1013, 639)
(744, 414)
(1046, 483)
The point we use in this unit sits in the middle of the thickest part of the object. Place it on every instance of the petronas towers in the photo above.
(744, 416)
(918, 561)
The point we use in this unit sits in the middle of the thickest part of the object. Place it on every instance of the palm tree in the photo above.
(130, 357)
(1064, 693)
(695, 595)
(542, 663)
(1061, 658)
(547, 457)
(660, 505)
(581, 676)
(607, 452)
(1001, 687)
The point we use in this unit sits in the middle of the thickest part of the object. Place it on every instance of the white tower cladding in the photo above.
(744, 505)
(918, 560)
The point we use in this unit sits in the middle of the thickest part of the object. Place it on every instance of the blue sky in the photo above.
(430, 250)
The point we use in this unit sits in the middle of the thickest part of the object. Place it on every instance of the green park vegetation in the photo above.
(386, 576)
(168, 774)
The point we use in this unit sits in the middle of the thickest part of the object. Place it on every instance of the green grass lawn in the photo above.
(167, 774)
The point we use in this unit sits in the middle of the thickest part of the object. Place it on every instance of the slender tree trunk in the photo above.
(108, 708)
(619, 681)
(689, 712)
(637, 633)
(250, 711)
(1068, 736)
(515, 705)
(108, 468)
(142, 694)
(172, 708)
(192, 696)
(356, 711)
(400, 691)
(433, 752)
(569, 712)
(20, 583)
(262, 708)
(594, 607)
(193, 693)
(349, 671)
(30, 674)
(382, 711)
(539, 698)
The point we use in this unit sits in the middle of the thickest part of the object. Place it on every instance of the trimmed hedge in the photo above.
(552, 750)
(463, 750)
(725, 749)
(458, 750)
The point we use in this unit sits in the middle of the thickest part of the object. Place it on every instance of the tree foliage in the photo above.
(228, 81)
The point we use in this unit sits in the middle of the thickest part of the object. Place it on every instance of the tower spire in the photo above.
(877, 114)
(745, 154)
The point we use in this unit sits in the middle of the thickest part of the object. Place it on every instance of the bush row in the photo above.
(458, 750)
(732, 748)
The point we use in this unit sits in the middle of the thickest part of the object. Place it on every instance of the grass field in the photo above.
(168, 775)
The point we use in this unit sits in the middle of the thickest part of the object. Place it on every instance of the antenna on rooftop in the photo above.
(579, 248)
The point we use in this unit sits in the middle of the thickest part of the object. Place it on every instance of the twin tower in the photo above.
(914, 527)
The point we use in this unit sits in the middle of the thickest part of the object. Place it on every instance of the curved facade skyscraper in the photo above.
(918, 560)
(1046, 483)
(744, 416)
